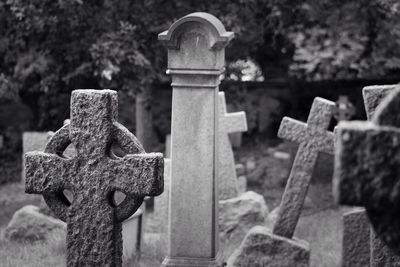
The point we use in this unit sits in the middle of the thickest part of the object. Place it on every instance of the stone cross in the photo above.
(344, 109)
(313, 137)
(196, 58)
(228, 123)
(93, 176)
(367, 165)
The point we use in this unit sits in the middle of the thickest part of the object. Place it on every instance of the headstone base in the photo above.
(193, 262)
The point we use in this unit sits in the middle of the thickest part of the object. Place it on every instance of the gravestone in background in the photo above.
(379, 255)
(263, 248)
(94, 220)
(313, 138)
(228, 123)
(196, 59)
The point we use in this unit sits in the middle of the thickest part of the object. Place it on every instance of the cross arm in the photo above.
(46, 173)
(292, 130)
(140, 174)
(366, 165)
(235, 122)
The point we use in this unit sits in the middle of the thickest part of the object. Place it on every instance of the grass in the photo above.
(37, 254)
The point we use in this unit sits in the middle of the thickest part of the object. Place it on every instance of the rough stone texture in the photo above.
(313, 138)
(261, 248)
(196, 58)
(33, 141)
(93, 220)
(228, 123)
(366, 168)
(28, 224)
(237, 216)
(373, 96)
(381, 255)
(356, 239)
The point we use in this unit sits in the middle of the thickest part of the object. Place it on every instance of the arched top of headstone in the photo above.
(196, 45)
(219, 37)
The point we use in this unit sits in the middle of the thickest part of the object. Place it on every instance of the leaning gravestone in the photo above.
(196, 58)
(228, 123)
(313, 137)
(360, 245)
(366, 170)
(94, 221)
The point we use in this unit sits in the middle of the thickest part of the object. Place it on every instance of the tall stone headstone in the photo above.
(313, 138)
(94, 220)
(366, 168)
(196, 58)
(228, 123)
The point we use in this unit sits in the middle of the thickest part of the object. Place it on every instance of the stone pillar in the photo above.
(196, 59)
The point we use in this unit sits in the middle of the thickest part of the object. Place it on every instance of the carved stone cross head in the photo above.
(93, 176)
(367, 168)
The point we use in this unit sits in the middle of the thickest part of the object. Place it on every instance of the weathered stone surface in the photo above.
(228, 123)
(261, 248)
(356, 239)
(28, 224)
(196, 58)
(366, 168)
(93, 219)
(313, 138)
(373, 96)
(33, 141)
(381, 255)
(237, 216)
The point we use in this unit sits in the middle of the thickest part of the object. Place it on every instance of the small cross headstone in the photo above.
(313, 138)
(196, 59)
(94, 221)
(366, 168)
(228, 123)
(344, 109)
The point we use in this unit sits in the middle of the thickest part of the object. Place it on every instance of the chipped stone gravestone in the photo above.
(94, 221)
(196, 58)
(228, 123)
(344, 109)
(380, 255)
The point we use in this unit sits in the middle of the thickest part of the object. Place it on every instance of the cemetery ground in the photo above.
(266, 164)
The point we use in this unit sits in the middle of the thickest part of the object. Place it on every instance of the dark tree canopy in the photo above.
(48, 48)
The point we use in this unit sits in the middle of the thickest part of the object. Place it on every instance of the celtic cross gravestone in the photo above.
(93, 176)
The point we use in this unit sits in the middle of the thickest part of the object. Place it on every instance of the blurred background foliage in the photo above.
(50, 47)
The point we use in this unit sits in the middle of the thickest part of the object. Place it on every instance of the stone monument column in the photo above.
(196, 58)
